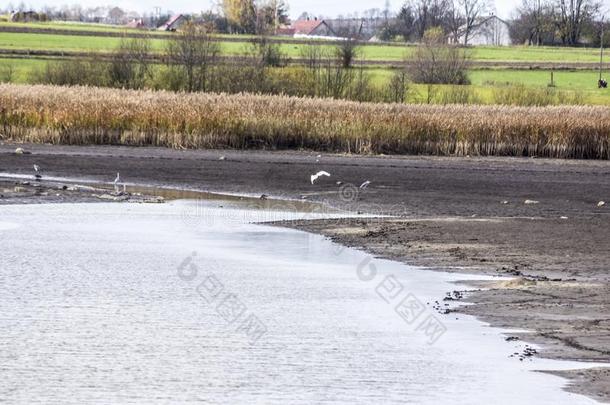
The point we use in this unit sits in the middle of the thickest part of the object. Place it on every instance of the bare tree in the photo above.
(347, 51)
(430, 14)
(436, 62)
(267, 52)
(398, 87)
(471, 10)
(572, 16)
(193, 52)
(533, 23)
(130, 63)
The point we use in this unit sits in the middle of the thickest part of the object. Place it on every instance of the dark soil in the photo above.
(455, 214)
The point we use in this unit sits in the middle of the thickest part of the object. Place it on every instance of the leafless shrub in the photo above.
(192, 53)
(436, 62)
(73, 73)
(398, 87)
(130, 65)
(347, 51)
(267, 53)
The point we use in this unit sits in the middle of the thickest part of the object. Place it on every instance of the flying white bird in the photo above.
(364, 185)
(315, 177)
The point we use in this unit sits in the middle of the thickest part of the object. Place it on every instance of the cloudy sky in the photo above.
(317, 7)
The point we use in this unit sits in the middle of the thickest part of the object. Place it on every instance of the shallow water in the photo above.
(106, 303)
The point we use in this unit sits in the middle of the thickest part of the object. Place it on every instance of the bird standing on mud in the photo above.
(37, 176)
(116, 182)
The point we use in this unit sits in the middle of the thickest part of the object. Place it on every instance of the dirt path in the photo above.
(456, 214)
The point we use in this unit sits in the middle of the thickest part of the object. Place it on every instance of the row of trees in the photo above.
(250, 17)
(539, 22)
(455, 18)
(535, 22)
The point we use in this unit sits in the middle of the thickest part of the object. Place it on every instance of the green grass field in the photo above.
(73, 26)
(31, 41)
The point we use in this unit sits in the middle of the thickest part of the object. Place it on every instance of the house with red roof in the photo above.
(311, 28)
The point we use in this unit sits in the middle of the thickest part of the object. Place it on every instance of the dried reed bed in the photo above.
(82, 115)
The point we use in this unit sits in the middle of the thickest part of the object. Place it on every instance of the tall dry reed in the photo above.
(86, 115)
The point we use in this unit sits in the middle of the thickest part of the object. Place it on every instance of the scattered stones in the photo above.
(153, 200)
(531, 202)
(528, 351)
(454, 296)
(443, 311)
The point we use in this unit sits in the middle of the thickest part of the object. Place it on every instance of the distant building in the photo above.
(286, 31)
(173, 23)
(491, 30)
(359, 28)
(312, 28)
(338, 28)
(28, 16)
(136, 23)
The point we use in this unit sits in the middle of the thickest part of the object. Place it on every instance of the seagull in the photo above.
(315, 177)
(37, 176)
(364, 185)
(601, 204)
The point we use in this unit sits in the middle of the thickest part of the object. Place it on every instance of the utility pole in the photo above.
(601, 51)
(275, 18)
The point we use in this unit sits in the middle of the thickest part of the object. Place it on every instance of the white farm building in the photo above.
(490, 30)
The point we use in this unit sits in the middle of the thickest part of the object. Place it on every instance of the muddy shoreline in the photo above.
(538, 220)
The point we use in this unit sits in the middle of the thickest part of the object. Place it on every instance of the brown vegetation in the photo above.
(84, 115)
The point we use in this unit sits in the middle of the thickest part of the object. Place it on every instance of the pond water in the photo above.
(188, 302)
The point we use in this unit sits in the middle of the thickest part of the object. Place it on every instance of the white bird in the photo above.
(37, 176)
(321, 173)
(601, 203)
(364, 185)
(116, 182)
